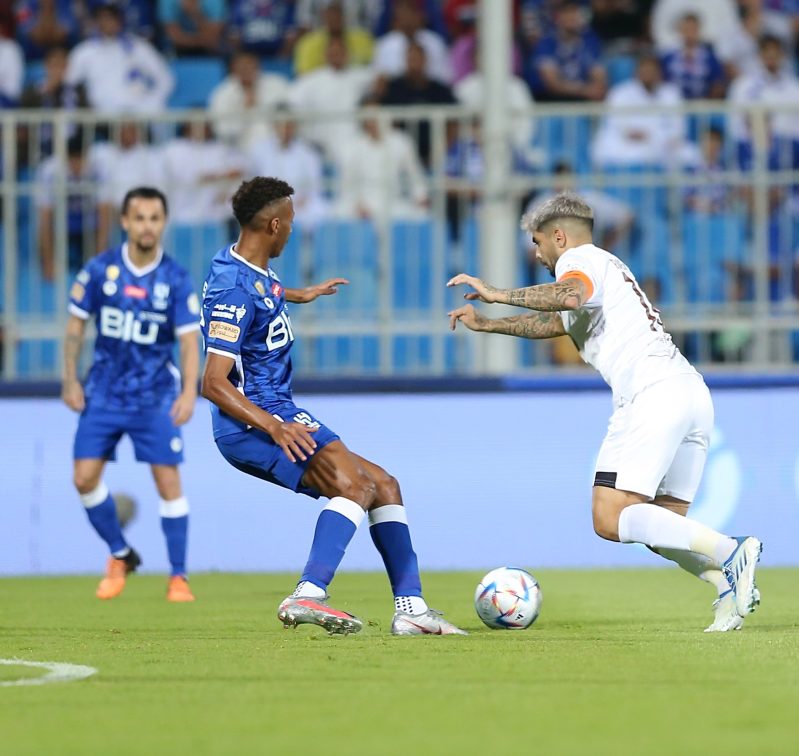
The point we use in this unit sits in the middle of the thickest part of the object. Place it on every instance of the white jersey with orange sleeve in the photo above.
(617, 330)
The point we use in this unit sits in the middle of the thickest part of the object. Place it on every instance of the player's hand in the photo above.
(183, 408)
(482, 291)
(72, 394)
(325, 288)
(467, 315)
(295, 440)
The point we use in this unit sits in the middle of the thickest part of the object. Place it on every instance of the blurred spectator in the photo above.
(332, 94)
(693, 65)
(193, 27)
(8, 23)
(771, 84)
(138, 16)
(430, 13)
(464, 167)
(51, 93)
(289, 156)
(380, 176)
(266, 27)
(128, 160)
(122, 73)
(415, 87)
(12, 70)
(714, 195)
(567, 64)
(471, 93)
(740, 49)
(238, 103)
(88, 219)
(637, 137)
(621, 25)
(200, 175)
(44, 24)
(391, 51)
(464, 53)
(364, 14)
(311, 50)
(718, 18)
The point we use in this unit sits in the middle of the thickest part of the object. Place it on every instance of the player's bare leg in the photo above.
(726, 617)
(174, 510)
(388, 526)
(631, 518)
(102, 514)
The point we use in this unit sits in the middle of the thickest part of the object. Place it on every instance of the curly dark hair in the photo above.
(257, 193)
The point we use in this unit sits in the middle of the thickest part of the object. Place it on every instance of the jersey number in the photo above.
(652, 312)
(116, 324)
(280, 332)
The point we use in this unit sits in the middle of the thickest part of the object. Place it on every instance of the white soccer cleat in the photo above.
(727, 617)
(739, 570)
(430, 622)
(301, 610)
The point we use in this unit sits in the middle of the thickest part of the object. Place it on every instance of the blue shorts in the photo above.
(155, 438)
(255, 453)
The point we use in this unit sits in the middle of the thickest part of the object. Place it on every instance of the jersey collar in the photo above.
(147, 268)
(238, 257)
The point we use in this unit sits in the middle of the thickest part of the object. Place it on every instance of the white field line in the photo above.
(57, 672)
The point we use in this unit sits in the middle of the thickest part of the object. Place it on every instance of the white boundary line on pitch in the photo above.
(58, 672)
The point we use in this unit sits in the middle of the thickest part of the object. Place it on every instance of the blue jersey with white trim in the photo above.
(244, 316)
(139, 313)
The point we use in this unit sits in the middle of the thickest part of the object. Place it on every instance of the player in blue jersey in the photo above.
(260, 431)
(143, 304)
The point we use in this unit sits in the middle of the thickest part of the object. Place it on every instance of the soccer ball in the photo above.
(508, 598)
(126, 508)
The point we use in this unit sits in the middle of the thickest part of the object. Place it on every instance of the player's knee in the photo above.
(387, 489)
(362, 490)
(85, 482)
(606, 523)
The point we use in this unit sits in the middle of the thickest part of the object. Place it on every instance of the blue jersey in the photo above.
(244, 316)
(139, 313)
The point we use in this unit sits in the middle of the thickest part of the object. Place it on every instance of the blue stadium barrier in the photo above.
(194, 80)
(710, 244)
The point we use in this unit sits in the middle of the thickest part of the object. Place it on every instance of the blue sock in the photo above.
(175, 525)
(391, 536)
(335, 528)
(102, 513)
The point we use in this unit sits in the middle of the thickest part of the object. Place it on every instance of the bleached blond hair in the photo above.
(566, 205)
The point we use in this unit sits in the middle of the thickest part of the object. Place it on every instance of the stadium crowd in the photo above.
(290, 59)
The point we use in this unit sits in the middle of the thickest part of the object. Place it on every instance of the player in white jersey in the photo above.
(651, 461)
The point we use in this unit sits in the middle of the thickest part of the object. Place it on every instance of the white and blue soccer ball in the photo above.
(508, 598)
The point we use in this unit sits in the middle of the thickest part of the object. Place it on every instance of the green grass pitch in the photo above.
(616, 664)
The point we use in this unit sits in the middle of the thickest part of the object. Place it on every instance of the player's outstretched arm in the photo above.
(568, 294)
(309, 293)
(534, 325)
(183, 406)
(294, 439)
(71, 390)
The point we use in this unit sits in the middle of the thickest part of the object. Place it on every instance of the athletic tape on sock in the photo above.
(388, 513)
(96, 497)
(346, 508)
(175, 508)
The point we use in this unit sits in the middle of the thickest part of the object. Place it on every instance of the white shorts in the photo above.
(657, 444)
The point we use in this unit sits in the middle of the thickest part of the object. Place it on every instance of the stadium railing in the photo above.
(716, 247)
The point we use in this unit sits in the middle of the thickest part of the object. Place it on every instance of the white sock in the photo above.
(659, 527)
(410, 604)
(308, 590)
(699, 565)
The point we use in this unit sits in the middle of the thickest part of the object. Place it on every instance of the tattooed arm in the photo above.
(534, 325)
(567, 294)
(71, 390)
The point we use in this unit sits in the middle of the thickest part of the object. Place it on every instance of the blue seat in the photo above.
(194, 246)
(711, 243)
(411, 265)
(620, 68)
(194, 80)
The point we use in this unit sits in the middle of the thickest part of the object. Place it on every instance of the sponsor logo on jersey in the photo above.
(154, 317)
(223, 331)
(260, 288)
(225, 315)
(116, 324)
(269, 303)
(240, 313)
(112, 272)
(193, 304)
(83, 277)
(77, 291)
(277, 289)
(109, 288)
(136, 292)
(160, 295)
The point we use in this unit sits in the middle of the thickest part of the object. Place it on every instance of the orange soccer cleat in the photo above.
(179, 589)
(116, 573)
